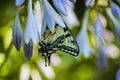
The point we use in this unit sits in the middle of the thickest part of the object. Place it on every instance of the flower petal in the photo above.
(17, 33)
(31, 31)
(60, 5)
(99, 28)
(28, 48)
(71, 18)
(50, 23)
(115, 10)
(82, 40)
(83, 43)
(50, 17)
(19, 2)
(116, 24)
(88, 2)
(117, 30)
(38, 17)
(73, 1)
(118, 74)
(44, 25)
(102, 57)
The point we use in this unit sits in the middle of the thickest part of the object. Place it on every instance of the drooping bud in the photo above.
(17, 32)
(28, 48)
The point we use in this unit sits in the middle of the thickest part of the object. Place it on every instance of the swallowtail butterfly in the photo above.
(59, 39)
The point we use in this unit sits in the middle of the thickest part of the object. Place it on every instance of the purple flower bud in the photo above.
(17, 33)
(115, 10)
(19, 2)
(99, 28)
(60, 5)
(28, 48)
(118, 75)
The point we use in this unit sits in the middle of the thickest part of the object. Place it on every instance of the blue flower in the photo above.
(102, 57)
(115, 10)
(116, 24)
(17, 32)
(82, 40)
(71, 18)
(88, 2)
(51, 18)
(28, 48)
(19, 2)
(118, 74)
(99, 28)
(60, 5)
(31, 31)
(38, 17)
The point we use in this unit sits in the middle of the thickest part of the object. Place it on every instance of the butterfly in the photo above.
(59, 39)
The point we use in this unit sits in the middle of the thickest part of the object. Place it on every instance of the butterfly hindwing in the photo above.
(70, 45)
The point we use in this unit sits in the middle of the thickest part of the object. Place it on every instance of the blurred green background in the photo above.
(13, 65)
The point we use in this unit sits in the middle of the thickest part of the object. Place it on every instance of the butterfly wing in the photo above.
(69, 45)
(61, 39)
